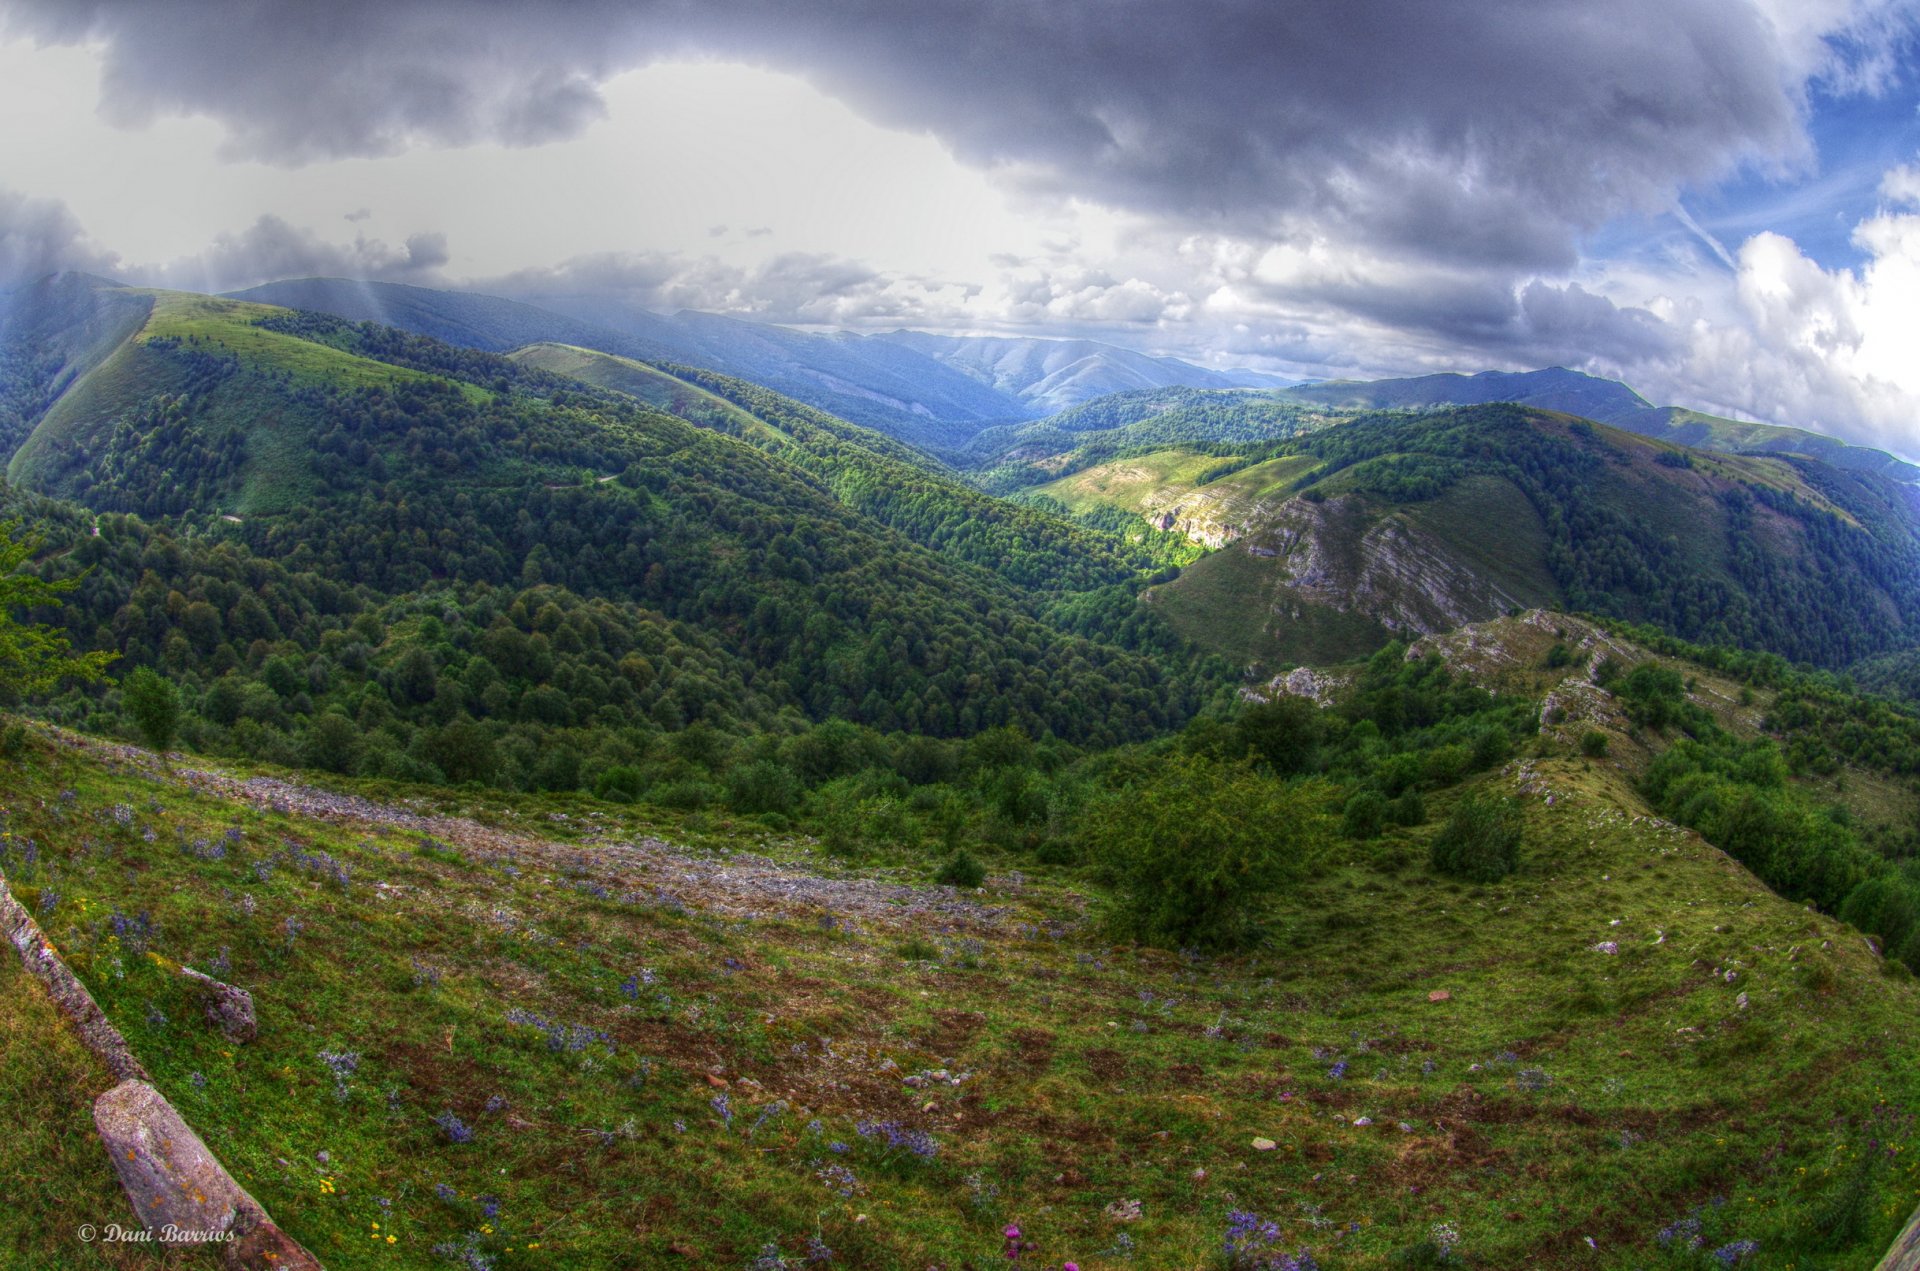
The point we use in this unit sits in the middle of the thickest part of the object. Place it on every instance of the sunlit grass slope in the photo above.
(541, 1036)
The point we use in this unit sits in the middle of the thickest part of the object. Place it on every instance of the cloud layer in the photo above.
(1490, 133)
(1371, 186)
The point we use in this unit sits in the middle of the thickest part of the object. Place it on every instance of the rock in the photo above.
(267, 1248)
(96, 1031)
(1439, 995)
(1264, 1145)
(1123, 1210)
(179, 1191)
(1363, 1121)
(230, 1008)
(170, 1176)
(1607, 947)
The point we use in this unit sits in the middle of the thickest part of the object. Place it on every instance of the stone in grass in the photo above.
(229, 1008)
(1439, 995)
(1264, 1145)
(179, 1191)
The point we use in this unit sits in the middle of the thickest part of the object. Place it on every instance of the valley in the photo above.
(663, 821)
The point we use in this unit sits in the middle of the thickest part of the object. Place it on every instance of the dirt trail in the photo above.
(738, 884)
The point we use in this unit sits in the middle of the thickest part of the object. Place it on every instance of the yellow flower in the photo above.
(392, 1239)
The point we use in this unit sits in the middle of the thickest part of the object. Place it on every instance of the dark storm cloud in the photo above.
(1489, 133)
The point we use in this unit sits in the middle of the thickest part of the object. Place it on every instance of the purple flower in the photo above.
(1338, 1071)
(456, 1130)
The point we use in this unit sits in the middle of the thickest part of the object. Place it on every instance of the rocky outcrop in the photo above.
(179, 1190)
(1337, 554)
(228, 1008)
(1303, 681)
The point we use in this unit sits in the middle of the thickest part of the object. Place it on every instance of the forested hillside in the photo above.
(465, 557)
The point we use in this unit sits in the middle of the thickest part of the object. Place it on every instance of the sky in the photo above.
(1715, 200)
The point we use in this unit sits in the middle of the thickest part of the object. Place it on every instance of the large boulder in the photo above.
(180, 1192)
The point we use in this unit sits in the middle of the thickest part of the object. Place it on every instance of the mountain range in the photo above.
(615, 777)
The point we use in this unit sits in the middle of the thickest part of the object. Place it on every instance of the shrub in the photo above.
(620, 783)
(762, 786)
(1364, 815)
(1480, 841)
(1594, 743)
(962, 869)
(153, 703)
(1196, 848)
(1409, 809)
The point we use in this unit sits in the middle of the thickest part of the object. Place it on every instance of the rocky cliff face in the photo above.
(1340, 555)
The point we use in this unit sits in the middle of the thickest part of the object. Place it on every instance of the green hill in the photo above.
(1606, 401)
(1418, 522)
(377, 467)
(568, 1032)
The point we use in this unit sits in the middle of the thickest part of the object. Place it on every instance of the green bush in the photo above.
(1409, 809)
(762, 786)
(153, 703)
(1481, 839)
(962, 869)
(622, 783)
(1196, 848)
(1365, 815)
(1594, 743)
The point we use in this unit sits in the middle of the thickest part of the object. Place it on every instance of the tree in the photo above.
(34, 656)
(1197, 848)
(153, 703)
(1481, 840)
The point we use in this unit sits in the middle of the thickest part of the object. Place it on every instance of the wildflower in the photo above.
(496, 1103)
(456, 1130)
(817, 1250)
(1016, 1247)
(724, 1107)
(918, 1142)
(1338, 1071)
(1728, 1254)
(771, 1111)
(343, 1065)
(839, 1179)
(445, 1193)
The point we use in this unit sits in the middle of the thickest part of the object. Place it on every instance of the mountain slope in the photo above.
(1055, 375)
(403, 464)
(881, 385)
(873, 474)
(509, 1018)
(1407, 524)
(1607, 401)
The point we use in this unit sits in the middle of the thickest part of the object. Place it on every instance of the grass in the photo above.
(231, 324)
(52, 1170)
(651, 385)
(1168, 481)
(1561, 1093)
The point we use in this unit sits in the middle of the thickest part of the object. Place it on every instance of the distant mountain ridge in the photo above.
(1057, 375)
(933, 391)
(1609, 402)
